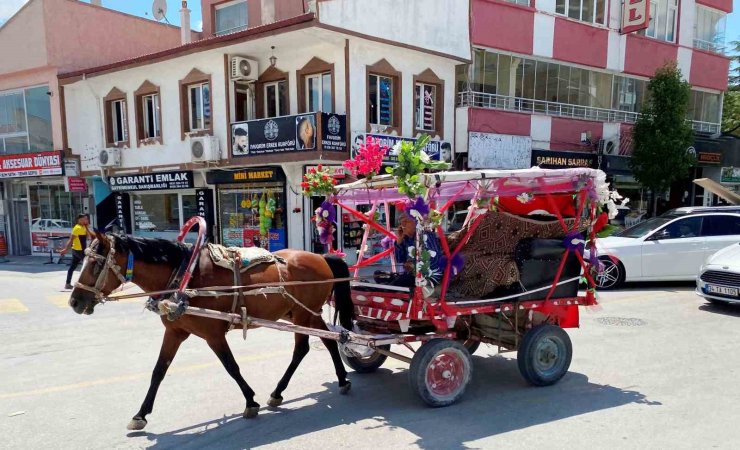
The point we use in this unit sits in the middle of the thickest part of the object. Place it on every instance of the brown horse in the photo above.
(155, 260)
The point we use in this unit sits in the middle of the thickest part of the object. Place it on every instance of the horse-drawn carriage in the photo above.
(513, 275)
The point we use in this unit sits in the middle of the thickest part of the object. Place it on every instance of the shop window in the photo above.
(316, 80)
(428, 104)
(663, 20)
(383, 97)
(591, 11)
(156, 215)
(25, 121)
(240, 219)
(272, 94)
(116, 119)
(148, 110)
(195, 104)
(709, 29)
(230, 17)
(53, 213)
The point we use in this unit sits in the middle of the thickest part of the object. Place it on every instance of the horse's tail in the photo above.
(342, 292)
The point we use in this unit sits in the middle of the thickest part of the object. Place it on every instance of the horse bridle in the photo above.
(109, 265)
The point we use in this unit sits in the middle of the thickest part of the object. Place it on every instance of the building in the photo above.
(274, 88)
(556, 83)
(34, 49)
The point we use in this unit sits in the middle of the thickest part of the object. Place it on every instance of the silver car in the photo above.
(719, 277)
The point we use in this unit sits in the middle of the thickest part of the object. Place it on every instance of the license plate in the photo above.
(722, 290)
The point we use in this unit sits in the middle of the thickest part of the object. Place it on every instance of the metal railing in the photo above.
(709, 46)
(519, 104)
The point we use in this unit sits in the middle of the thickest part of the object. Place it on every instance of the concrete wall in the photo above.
(23, 40)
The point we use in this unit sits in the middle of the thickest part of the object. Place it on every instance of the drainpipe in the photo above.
(185, 37)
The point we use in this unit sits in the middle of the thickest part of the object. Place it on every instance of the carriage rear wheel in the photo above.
(544, 355)
(440, 371)
(367, 364)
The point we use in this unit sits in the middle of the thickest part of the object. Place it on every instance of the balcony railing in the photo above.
(709, 46)
(519, 104)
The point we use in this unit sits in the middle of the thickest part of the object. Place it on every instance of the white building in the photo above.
(165, 122)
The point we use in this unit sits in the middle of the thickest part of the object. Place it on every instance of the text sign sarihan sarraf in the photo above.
(152, 181)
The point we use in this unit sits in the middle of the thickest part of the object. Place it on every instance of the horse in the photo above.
(155, 261)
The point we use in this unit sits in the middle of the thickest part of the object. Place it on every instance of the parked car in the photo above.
(719, 277)
(684, 210)
(664, 248)
(39, 224)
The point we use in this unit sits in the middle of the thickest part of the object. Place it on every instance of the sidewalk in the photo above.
(31, 264)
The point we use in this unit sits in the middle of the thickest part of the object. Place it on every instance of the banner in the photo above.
(433, 148)
(275, 135)
(152, 181)
(499, 151)
(635, 15)
(333, 132)
(75, 184)
(730, 175)
(31, 164)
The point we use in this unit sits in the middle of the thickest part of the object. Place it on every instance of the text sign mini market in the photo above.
(152, 181)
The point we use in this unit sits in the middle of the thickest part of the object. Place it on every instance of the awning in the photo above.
(717, 189)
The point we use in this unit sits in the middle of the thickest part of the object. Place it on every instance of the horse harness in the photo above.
(108, 265)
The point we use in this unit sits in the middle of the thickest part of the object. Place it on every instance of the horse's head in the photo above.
(101, 274)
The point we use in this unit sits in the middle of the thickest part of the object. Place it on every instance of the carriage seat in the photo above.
(249, 257)
(538, 261)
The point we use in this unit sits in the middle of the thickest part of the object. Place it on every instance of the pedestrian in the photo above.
(77, 242)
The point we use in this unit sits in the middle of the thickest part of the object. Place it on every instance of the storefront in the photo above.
(37, 204)
(251, 207)
(154, 205)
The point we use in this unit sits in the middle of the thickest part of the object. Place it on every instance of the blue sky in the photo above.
(144, 8)
(137, 7)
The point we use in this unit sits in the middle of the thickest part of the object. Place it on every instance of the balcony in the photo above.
(709, 46)
(556, 109)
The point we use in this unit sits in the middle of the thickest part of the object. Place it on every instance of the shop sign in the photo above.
(75, 184)
(730, 175)
(707, 158)
(31, 164)
(433, 148)
(244, 176)
(152, 181)
(41, 243)
(499, 151)
(338, 172)
(276, 135)
(548, 159)
(333, 132)
(204, 203)
(122, 209)
(635, 15)
(72, 167)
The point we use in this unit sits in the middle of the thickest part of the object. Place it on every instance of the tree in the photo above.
(731, 111)
(662, 134)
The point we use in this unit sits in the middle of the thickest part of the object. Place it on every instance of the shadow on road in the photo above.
(724, 309)
(657, 286)
(497, 401)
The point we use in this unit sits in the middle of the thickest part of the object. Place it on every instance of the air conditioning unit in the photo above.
(204, 148)
(110, 157)
(243, 69)
(608, 146)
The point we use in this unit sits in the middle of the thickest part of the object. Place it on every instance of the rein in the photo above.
(109, 265)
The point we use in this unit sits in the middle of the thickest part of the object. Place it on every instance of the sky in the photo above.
(144, 8)
(137, 7)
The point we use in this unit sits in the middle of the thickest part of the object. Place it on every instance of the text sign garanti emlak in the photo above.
(152, 181)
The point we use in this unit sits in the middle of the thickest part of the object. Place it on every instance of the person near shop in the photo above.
(306, 134)
(78, 243)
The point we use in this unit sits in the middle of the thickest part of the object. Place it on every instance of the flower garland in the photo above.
(368, 160)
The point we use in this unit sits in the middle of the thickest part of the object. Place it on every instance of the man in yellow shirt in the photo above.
(77, 242)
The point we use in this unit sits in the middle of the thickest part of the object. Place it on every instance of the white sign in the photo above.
(635, 15)
(499, 151)
(71, 168)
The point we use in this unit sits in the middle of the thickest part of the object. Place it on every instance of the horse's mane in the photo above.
(153, 250)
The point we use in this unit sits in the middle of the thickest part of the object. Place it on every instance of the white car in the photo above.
(50, 224)
(669, 247)
(719, 278)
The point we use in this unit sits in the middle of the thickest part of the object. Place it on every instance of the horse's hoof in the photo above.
(136, 424)
(274, 402)
(251, 412)
(344, 390)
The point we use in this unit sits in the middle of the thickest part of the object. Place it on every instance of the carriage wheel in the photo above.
(368, 364)
(440, 371)
(544, 355)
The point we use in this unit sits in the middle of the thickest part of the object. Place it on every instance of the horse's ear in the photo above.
(100, 237)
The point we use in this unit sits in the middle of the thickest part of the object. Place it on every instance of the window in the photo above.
(150, 106)
(381, 100)
(148, 110)
(25, 121)
(684, 228)
(318, 93)
(118, 121)
(519, 2)
(704, 107)
(720, 225)
(709, 29)
(592, 11)
(230, 17)
(425, 99)
(663, 17)
(199, 105)
(275, 99)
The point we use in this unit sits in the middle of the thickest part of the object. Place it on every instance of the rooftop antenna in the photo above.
(159, 10)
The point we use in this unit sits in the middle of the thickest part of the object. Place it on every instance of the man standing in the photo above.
(77, 242)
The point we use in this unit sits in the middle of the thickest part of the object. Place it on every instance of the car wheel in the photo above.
(612, 276)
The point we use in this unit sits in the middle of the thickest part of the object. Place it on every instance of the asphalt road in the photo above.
(653, 366)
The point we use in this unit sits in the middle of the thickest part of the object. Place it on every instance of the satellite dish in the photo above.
(159, 9)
